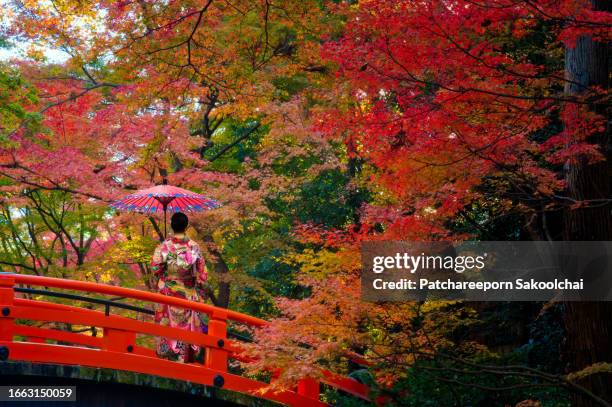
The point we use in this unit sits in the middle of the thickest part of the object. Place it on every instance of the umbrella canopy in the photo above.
(165, 198)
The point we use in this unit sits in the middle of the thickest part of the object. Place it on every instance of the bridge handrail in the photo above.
(134, 294)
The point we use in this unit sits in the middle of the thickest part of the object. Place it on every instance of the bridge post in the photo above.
(7, 294)
(217, 327)
(119, 341)
(309, 388)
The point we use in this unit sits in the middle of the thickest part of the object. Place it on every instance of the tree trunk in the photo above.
(223, 293)
(222, 298)
(589, 324)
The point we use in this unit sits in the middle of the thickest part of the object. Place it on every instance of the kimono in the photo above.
(180, 271)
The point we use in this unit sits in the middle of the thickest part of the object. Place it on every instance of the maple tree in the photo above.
(318, 125)
(457, 112)
(163, 94)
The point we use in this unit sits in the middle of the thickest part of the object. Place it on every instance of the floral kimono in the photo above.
(181, 272)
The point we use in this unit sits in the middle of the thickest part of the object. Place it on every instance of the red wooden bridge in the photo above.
(117, 348)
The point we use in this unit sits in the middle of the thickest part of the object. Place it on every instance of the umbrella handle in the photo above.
(165, 233)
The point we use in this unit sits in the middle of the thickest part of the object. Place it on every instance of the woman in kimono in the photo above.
(180, 271)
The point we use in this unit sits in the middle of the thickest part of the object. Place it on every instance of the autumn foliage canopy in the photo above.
(318, 124)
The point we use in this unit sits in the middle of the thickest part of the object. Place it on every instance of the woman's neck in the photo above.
(179, 236)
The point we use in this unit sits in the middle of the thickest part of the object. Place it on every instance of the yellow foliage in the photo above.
(595, 368)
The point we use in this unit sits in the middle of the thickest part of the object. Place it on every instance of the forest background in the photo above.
(320, 124)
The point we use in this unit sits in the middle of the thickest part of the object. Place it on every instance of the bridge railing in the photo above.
(117, 348)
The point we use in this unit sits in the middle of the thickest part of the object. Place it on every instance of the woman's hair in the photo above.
(179, 222)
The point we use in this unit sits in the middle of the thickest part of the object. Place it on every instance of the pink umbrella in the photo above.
(165, 198)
